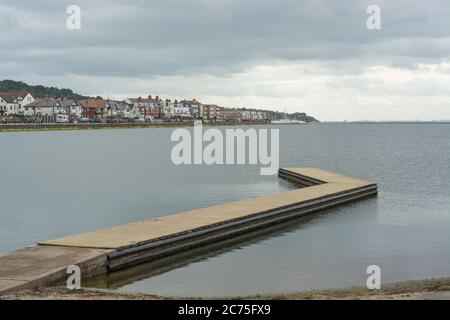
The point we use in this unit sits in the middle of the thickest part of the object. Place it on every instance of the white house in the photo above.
(124, 110)
(253, 115)
(14, 102)
(118, 109)
(196, 109)
(150, 106)
(69, 107)
(6, 106)
(42, 107)
(181, 110)
(168, 108)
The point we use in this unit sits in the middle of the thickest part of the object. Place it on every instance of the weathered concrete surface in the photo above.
(9, 285)
(47, 263)
(137, 233)
(44, 264)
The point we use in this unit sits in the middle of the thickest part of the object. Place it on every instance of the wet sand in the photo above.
(433, 289)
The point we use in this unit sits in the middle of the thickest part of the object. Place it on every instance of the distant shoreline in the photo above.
(98, 126)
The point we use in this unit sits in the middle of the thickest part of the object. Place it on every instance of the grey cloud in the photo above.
(136, 38)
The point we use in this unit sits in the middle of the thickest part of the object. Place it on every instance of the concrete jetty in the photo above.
(118, 247)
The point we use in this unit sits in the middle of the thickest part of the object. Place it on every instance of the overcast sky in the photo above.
(313, 56)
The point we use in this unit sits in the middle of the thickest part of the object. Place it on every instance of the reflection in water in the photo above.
(123, 277)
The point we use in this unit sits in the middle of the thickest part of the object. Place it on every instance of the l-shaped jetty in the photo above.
(118, 247)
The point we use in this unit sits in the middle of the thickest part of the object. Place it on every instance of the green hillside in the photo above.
(38, 91)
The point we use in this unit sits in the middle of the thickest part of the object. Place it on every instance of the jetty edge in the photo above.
(118, 247)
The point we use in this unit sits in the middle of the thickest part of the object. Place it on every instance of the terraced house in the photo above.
(212, 112)
(118, 109)
(150, 106)
(69, 107)
(253, 115)
(196, 109)
(168, 109)
(181, 110)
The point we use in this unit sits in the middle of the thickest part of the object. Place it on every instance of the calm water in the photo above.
(60, 183)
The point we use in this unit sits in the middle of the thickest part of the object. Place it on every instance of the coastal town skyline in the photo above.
(14, 88)
(21, 103)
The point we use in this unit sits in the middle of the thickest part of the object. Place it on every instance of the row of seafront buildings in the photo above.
(24, 104)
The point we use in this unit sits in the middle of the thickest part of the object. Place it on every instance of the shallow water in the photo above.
(59, 183)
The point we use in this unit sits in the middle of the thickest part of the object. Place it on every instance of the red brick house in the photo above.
(94, 109)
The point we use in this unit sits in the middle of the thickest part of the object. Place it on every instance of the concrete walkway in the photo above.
(40, 265)
(138, 233)
(47, 262)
